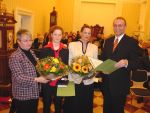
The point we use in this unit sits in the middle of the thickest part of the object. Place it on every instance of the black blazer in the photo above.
(63, 54)
(119, 81)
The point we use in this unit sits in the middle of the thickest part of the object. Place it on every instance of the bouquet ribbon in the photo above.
(53, 83)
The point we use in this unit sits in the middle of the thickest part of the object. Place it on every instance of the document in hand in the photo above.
(62, 83)
(66, 91)
(107, 66)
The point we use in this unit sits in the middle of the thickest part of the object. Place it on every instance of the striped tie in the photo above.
(115, 44)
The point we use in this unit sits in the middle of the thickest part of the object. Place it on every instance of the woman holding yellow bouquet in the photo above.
(82, 102)
(53, 49)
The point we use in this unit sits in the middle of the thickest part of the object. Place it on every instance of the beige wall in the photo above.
(72, 14)
(94, 12)
(147, 22)
(65, 10)
(40, 10)
(130, 11)
(103, 12)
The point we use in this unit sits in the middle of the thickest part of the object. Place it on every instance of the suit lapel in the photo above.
(112, 45)
(109, 48)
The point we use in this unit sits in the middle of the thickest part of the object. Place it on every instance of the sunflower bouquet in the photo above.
(52, 68)
(81, 68)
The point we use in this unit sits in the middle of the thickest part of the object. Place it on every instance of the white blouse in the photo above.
(76, 49)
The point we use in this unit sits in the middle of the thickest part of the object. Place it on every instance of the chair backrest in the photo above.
(139, 76)
(97, 29)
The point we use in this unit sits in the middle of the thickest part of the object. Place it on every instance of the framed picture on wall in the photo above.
(0, 39)
(10, 39)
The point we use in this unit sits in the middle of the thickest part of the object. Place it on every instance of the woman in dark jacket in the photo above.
(55, 49)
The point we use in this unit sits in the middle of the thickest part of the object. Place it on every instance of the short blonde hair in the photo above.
(23, 32)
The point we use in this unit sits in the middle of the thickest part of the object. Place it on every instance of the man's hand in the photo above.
(122, 63)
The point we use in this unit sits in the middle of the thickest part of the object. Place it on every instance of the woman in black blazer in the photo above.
(55, 49)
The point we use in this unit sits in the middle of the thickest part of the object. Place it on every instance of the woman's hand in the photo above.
(41, 79)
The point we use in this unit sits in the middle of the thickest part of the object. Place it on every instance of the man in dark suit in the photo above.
(125, 52)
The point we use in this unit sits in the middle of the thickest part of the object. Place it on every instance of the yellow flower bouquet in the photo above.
(81, 66)
(52, 68)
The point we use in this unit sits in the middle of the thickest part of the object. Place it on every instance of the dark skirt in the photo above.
(49, 95)
(82, 102)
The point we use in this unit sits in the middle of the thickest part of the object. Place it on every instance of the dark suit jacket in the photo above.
(118, 82)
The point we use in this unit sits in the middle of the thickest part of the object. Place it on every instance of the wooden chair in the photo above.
(138, 78)
(96, 30)
(5, 95)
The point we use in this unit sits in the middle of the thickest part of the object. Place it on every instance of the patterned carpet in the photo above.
(98, 104)
(134, 108)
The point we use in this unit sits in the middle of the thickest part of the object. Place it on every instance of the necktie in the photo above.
(115, 44)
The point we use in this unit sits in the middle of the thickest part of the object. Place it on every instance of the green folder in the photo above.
(107, 67)
(66, 91)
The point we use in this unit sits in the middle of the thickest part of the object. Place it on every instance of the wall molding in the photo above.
(100, 1)
(113, 1)
(26, 15)
(23, 11)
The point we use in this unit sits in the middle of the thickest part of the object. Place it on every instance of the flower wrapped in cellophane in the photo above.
(81, 69)
(52, 68)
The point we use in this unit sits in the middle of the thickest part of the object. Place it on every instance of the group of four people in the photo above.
(115, 87)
